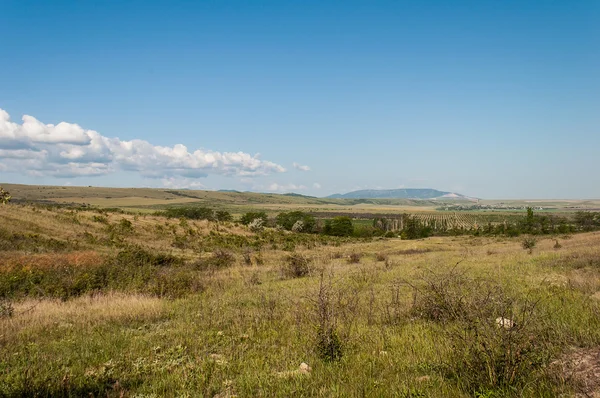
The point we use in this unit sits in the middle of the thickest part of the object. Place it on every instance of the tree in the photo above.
(253, 215)
(414, 229)
(222, 215)
(339, 226)
(4, 196)
(288, 220)
(529, 220)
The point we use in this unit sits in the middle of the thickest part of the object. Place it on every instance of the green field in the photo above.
(129, 303)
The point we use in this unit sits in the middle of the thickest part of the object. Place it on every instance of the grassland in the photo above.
(136, 305)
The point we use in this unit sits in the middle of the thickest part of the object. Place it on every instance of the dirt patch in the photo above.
(581, 367)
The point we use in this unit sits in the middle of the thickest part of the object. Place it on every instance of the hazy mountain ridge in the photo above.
(402, 193)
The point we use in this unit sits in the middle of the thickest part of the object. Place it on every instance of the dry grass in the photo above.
(88, 311)
(50, 260)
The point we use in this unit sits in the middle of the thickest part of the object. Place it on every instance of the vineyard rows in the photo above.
(445, 221)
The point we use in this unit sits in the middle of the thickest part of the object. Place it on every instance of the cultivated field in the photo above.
(111, 303)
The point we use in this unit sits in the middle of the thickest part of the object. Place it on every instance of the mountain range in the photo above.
(402, 193)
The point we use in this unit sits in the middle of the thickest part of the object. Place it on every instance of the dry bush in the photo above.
(381, 256)
(529, 243)
(6, 308)
(296, 266)
(354, 258)
(219, 259)
(498, 340)
(336, 255)
(557, 244)
(247, 255)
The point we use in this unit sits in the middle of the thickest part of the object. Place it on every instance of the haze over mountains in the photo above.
(402, 193)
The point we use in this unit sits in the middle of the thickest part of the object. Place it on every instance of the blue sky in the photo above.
(493, 99)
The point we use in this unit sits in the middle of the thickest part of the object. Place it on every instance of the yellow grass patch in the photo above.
(87, 310)
(50, 260)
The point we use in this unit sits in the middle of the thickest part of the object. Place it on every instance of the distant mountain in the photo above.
(404, 193)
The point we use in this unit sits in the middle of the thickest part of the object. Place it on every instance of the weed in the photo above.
(557, 244)
(529, 243)
(328, 344)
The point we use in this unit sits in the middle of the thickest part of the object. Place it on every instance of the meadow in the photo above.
(125, 302)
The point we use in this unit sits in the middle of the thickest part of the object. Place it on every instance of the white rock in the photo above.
(304, 368)
(505, 323)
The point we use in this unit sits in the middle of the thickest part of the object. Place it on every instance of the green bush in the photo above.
(192, 213)
(339, 226)
(290, 219)
(219, 259)
(253, 215)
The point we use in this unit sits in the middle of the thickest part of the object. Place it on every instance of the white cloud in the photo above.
(316, 185)
(275, 187)
(67, 150)
(181, 183)
(300, 167)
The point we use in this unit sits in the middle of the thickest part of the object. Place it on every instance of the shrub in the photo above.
(219, 259)
(6, 308)
(249, 217)
(354, 258)
(176, 283)
(557, 244)
(296, 266)
(138, 257)
(125, 226)
(381, 257)
(339, 226)
(100, 219)
(257, 225)
(298, 226)
(329, 343)
(4, 196)
(498, 340)
(192, 213)
(222, 215)
(303, 222)
(529, 243)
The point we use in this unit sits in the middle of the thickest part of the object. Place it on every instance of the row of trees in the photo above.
(299, 221)
(531, 223)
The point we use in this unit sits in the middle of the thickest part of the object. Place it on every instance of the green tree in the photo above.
(253, 215)
(414, 229)
(339, 226)
(529, 220)
(222, 215)
(287, 220)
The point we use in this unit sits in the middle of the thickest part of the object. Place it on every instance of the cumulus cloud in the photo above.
(300, 167)
(275, 187)
(181, 183)
(68, 150)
